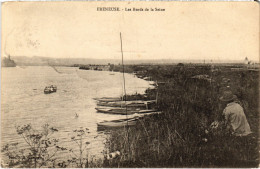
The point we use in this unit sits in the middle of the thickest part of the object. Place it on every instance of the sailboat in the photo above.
(116, 105)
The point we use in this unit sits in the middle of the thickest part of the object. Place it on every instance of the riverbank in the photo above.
(181, 135)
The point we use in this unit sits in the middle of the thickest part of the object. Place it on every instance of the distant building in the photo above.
(246, 61)
(250, 64)
(8, 62)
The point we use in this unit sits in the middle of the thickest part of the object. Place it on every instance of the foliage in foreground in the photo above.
(41, 150)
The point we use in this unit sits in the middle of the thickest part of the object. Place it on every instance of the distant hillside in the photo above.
(30, 61)
(45, 61)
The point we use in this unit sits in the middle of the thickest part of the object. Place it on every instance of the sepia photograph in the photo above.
(98, 84)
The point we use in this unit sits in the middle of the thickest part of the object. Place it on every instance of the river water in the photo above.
(23, 101)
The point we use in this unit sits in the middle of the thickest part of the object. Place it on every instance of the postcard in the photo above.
(93, 84)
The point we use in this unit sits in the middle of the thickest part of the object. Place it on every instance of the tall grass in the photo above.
(181, 136)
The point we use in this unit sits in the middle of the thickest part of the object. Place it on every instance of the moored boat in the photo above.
(123, 111)
(137, 103)
(112, 110)
(116, 124)
(108, 99)
(147, 111)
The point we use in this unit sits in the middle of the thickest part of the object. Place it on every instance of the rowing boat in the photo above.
(111, 110)
(108, 99)
(122, 111)
(137, 103)
(116, 124)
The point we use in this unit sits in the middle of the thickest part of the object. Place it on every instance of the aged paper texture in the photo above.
(129, 84)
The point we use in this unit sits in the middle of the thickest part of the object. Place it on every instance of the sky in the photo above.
(185, 30)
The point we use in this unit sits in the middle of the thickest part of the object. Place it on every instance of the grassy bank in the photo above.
(181, 136)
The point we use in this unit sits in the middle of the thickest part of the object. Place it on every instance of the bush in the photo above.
(40, 148)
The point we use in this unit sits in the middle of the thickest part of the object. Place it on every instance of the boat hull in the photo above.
(115, 111)
(50, 89)
(135, 103)
(108, 99)
(116, 124)
(123, 111)
(49, 92)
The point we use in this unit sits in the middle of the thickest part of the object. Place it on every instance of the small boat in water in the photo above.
(50, 89)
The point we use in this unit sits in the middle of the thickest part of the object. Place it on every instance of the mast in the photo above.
(125, 95)
(123, 71)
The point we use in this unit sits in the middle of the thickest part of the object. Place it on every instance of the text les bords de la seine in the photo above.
(128, 9)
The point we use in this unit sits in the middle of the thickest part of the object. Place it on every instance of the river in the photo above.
(23, 101)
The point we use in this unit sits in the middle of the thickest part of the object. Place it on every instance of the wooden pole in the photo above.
(129, 156)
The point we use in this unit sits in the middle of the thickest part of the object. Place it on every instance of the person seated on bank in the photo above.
(235, 118)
